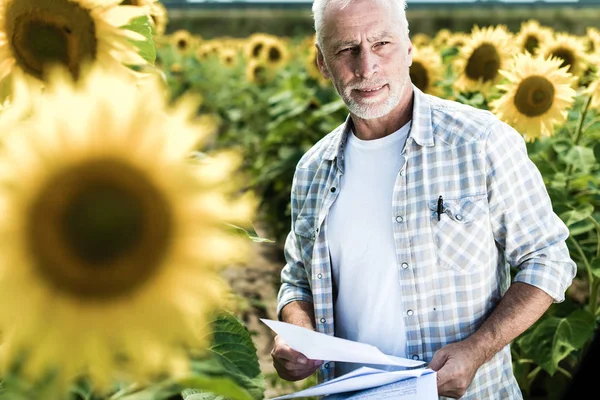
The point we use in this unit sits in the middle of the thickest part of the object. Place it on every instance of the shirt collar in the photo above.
(420, 131)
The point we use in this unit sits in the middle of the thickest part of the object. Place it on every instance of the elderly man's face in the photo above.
(367, 54)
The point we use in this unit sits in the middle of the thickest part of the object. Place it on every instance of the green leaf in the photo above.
(554, 338)
(581, 157)
(212, 388)
(234, 356)
(595, 266)
(581, 213)
(143, 26)
(250, 234)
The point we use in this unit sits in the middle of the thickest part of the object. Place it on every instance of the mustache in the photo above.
(367, 85)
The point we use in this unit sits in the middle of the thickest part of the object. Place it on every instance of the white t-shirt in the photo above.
(368, 307)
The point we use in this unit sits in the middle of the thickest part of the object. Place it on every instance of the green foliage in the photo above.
(143, 26)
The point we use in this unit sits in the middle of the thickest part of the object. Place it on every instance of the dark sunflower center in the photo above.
(257, 49)
(534, 96)
(531, 43)
(99, 230)
(484, 63)
(274, 54)
(566, 55)
(58, 32)
(419, 76)
(182, 44)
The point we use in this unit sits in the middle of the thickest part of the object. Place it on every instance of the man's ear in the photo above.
(410, 53)
(321, 63)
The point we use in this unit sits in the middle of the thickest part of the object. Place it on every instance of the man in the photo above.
(407, 218)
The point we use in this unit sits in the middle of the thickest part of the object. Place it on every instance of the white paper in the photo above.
(319, 346)
(375, 384)
(421, 388)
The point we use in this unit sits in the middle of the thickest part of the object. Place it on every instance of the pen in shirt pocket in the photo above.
(440, 207)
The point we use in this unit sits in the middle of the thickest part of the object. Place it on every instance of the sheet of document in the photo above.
(369, 383)
(319, 346)
(421, 388)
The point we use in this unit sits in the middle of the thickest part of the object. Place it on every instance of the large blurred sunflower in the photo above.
(35, 34)
(532, 35)
(570, 49)
(482, 56)
(538, 95)
(112, 231)
(426, 69)
(257, 72)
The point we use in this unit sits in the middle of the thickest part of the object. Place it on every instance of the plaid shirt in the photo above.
(452, 272)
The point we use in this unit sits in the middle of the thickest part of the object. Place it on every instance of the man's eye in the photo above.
(346, 50)
(382, 43)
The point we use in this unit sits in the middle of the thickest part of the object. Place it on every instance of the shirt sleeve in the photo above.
(294, 279)
(525, 226)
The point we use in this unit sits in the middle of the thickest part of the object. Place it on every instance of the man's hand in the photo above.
(290, 364)
(456, 365)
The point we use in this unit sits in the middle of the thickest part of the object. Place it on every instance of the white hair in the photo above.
(319, 7)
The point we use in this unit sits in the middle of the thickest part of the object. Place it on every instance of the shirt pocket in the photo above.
(462, 236)
(305, 232)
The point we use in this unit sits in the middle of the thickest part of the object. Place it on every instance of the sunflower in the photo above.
(312, 68)
(275, 53)
(183, 41)
(113, 231)
(257, 72)
(484, 54)
(537, 96)
(441, 38)
(228, 56)
(457, 40)
(420, 39)
(426, 69)
(569, 49)
(593, 40)
(532, 35)
(256, 44)
(37, 33)
(205, 50)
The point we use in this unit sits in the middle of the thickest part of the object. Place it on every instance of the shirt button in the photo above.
(401, 172)
(323, 320)
(404, 265)
(410, 312)
(415, 357)
(399, 219)
(458, 217)
(333, 190)
(326, 365)
(319, 276)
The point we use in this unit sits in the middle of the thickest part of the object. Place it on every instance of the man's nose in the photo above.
(366, 64)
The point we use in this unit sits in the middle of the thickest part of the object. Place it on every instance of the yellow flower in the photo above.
(569, 49)
(313, 69)
(228, 56)
(593, 40)
(183, 41)
(256, 44)
(420, 39)
(486, 52)
(112, 232)
(275, 53)
(532, 35)
(35, 34)
(257, 72)
(594, 90)
(537, 96)
(441, 38)
(426, 69)
(457, 40)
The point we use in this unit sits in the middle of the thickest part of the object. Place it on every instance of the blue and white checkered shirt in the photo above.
(452, 272)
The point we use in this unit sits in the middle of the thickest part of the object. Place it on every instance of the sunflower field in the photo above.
(136, 164)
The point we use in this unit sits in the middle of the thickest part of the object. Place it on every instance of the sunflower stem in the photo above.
(592, 287)
(579, 130)
(577, 135)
